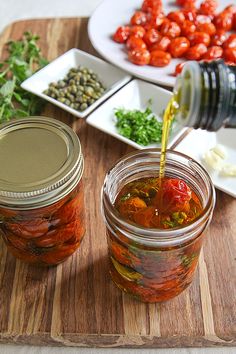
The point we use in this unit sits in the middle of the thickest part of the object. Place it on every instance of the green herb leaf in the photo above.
(24, 59)
(7, 88)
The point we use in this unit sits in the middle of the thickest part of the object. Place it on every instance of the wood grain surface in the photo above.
(76, 303)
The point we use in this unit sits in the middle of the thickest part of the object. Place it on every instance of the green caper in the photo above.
(83, 106)
(62, 99)
(89, 91)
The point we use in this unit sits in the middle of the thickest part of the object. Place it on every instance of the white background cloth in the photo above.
(12, 10)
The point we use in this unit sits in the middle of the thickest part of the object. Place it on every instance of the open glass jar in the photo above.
(41, 192)
(154, 264)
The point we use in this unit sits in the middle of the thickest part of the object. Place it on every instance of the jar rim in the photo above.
(53, 150)
(155, 236)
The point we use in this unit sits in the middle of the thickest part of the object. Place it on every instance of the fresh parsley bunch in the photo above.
(23, 60)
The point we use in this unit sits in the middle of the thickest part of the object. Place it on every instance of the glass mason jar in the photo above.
(41, 192)
(155, 264)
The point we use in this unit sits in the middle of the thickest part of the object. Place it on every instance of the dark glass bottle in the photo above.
(206, 95)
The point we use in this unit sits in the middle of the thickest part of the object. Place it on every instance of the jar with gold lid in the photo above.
(41, 193)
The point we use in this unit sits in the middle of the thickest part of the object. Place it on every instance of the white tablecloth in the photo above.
(12, 10)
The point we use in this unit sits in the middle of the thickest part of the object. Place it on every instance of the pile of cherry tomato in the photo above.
(153, 38)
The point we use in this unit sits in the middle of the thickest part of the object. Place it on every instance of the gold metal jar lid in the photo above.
(40, 162)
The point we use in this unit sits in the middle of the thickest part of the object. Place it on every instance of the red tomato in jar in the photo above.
(199, 37)
(214, 52)
(179, 67)
(230, 55)
(170, 29)
(196, 52)
(163, 44)
(137, 31)
(187, 28)
(175, 192)
(138, 18)
(178, 47)
(208, 7)
(230, 42)
(152, 36)
(135, 43)
(159, 58)
(218, 38)
(121, 35)
(207, 28)
(139, 56)
(224, 21)
(176, 16)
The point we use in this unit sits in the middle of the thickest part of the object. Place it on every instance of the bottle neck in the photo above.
(206, 94)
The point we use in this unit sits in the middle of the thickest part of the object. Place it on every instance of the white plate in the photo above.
(111, 77)
(108, 17)
(135, 95)
(199, 141)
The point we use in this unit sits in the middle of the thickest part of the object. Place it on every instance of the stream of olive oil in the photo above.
(169, 115)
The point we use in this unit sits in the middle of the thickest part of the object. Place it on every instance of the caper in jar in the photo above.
(79, 89)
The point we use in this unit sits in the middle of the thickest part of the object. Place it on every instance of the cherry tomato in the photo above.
(230, 55)
(175, 192)
(206, 27)
(234, 22)
(218, 38)
(152, 36)
(208, 7)
(189, 15)
(159, 58)
(187, 28)
(189, 6)
(178, 47)
(224, 21)
(137, 31)
(184, 2)
(170, 29)
(135, 43)
(202, 19)
(231, 9)
(155, 20)
(139, 56)
(230, 63)
(163, 44)
(230, 42)
(214, 52)
(179, 68)
(121, 35)
(138, 18)
(196, 52)
(150, 5)
(176, 16)
(199, 37)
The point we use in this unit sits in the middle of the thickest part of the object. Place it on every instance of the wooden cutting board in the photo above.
(76, 303)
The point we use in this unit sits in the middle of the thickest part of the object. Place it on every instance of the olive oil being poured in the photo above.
(169, 115)
(204, 97)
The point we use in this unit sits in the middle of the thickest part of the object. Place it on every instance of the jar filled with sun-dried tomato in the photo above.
(156, 227)
(41, 193)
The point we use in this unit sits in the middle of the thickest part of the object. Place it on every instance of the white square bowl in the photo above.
(135, 95)
(111, 77)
